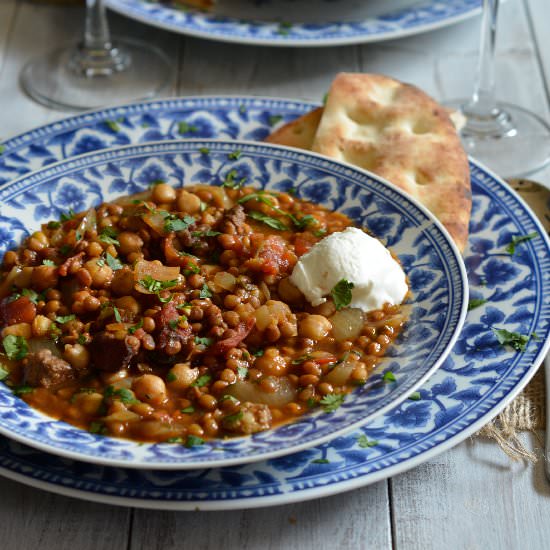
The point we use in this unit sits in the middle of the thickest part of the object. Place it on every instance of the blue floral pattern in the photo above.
(418, 17)
(476, 381)
(437, 309)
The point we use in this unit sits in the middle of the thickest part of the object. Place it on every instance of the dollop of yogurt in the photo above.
(359, 259)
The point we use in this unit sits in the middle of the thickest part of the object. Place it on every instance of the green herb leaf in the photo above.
(171, 377)
(204, 151)
(4, 372)
(320, 461)
(66, 216)
(208, 233)
(82, 339)
(268, 220)
(49, 263)
(242, 372)
(389, 376)
(188, 410)
(202, 381)
(112, 125)
(118, 318)
(193, 441)
(22, 390)
(173, 223)
(517, 239)
(476, 302)
(513, 339)
(97, 427)
(185, 128)
(126, 396)
(205, 292)
(415, 396)
(274, 119)
(232, 418)
(230, 181)
(53, 225)
(332, 401)
(154, 285)
(174, 440)
(62, 319)
(235, 155)
(301, 359)
(108, 236)
(203, 341)
(258, 352)
(230, 397)
(114, 263)
(135, 327)
(341, 293)
(33, 296)
(16, 347)
(364, 442)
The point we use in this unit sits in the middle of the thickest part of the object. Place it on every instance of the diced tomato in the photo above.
(21, 310)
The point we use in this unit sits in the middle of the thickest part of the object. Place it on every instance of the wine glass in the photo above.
(509, 139)
(96, 71)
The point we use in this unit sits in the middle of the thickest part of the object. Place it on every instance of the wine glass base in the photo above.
(60, 80)
(512, 141)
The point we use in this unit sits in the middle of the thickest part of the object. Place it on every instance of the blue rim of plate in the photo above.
(406, 436)
(420, 17)
(431, 260)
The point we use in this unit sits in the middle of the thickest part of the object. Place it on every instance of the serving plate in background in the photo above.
(434, 267)
(300, 22)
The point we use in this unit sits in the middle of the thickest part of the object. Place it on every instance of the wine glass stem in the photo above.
(96, 55)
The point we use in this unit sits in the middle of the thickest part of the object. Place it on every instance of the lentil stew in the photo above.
(168, 316)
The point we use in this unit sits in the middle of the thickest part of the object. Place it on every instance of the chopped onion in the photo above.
(219, 195)
(263, 317)
(265, 290)
(37, 344)
(225, 280)
(248, 391)
(156, 221)
(340, 374)
(7, 283)
(347, 324)
(88, 223)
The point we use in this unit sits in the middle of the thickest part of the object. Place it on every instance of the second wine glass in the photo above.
(507, 138)
(97, 71)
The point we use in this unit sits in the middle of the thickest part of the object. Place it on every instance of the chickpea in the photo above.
(128, 303)
(150, 389)
(208, 402)
(19, 329)
(271, 363)
(52, 306)
(162, 192)
(149, 324)
(94, 249)
(77, 355)
(101, 274)
(88, 403)
(129, 242)
(91, 303)
(123, 282)
(181, 376)
(188, 202)
(315, 327)
(10, 259)
(37, 241)
(41, 326)
(288, 292)
(43, 277)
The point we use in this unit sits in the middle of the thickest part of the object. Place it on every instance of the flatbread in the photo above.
(398, 132)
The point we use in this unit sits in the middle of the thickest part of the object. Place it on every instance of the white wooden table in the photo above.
(472, 496)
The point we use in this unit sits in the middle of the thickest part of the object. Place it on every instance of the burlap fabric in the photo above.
(528, 411)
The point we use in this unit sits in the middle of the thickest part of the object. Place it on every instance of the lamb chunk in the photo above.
(45, 369)
(234, 218)
(252, 418)
(169, 336)
(112, 354)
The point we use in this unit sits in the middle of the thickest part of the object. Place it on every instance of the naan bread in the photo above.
(398, 132)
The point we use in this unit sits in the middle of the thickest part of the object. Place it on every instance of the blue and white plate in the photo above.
(432, 263)
(300, 22)
(475, 382)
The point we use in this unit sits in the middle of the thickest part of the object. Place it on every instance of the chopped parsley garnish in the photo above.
(476, 302)
(230, 397)
(123, 394)
(65, 249)
(204, 151)
(49, 263)
(341, 293)
(165, 300)
(188, 410)
(364, 442)
(154, 285)
(4, 373)
(193, 441)
(230, 181)
(33, 296)
(304, 221)
(114, 263)
(234, 417)
(517, 239)
(109, 236)
(258, 352)
(203, 341)
(22, 390)
(112, 125)
(235, 155)
(242, 108)
(54, 225)
(174, 440)
(66, 216)
(320, 461)
(300, 359)
(171, 377)
(202, 381)
(83, 340)
(16, 347)
(389, 376)
(135, 327)
(62, 319)
(242, 372)
(191, 269)
(268, 220)
(97, 427)
(274, 119)
(205, 292)
(186, 128)
(118, 318)
(173, 223)
(513, 339)
(332, 401)
(415, 396)
(208, 233)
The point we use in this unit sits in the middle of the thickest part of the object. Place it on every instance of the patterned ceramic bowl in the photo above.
(434, 267)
